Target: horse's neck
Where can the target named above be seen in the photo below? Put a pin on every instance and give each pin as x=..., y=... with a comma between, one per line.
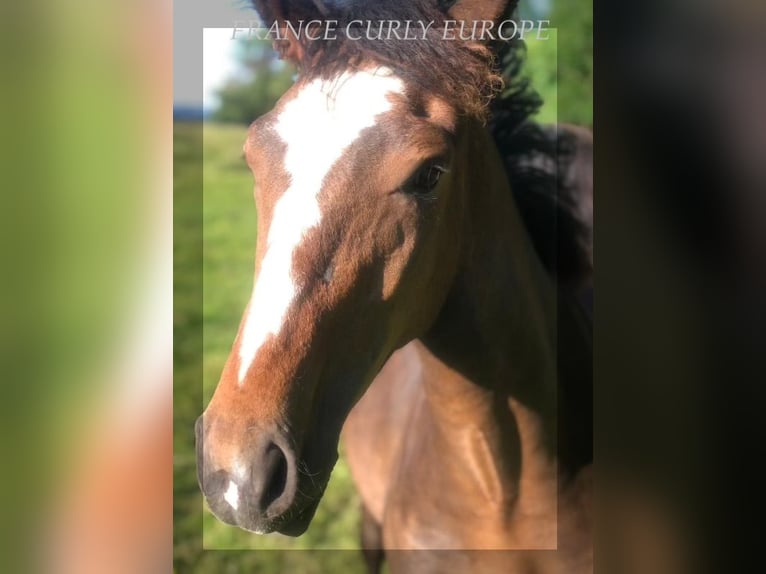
x=491, y=451
x=498, y=324
x=491, y=356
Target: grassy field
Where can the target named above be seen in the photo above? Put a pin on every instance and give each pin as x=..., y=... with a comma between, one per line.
x=222, y=239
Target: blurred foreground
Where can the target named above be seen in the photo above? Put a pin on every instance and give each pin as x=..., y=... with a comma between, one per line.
x=87, y=289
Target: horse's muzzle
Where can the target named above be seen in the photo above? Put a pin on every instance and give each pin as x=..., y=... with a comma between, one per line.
x=253, y=488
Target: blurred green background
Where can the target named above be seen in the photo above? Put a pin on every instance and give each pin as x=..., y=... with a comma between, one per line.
x=561, y=71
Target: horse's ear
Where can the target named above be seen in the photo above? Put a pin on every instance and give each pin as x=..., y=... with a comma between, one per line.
x=281, y=12
x=476, y=10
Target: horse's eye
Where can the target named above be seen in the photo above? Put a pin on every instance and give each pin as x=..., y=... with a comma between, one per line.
x=426, y=178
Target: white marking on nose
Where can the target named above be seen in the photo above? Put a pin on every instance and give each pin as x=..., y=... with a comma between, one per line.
x=317, y=126
x=232, y=495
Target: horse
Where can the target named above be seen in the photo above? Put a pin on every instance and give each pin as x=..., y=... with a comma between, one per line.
x=392, y=250
x=388, y=416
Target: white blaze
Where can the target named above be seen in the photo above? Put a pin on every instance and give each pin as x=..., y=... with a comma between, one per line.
x=317, y=126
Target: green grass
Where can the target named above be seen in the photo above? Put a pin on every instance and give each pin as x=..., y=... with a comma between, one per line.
x=226, y=250
x=542, y=69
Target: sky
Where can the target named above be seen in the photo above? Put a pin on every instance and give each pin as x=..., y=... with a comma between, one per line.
x=218, y=63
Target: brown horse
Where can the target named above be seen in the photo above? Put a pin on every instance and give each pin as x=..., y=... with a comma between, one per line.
x=387, y=222
x=420, y=423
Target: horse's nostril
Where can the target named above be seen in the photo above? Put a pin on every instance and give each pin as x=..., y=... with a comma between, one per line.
x=273, y=475
x=255, y=488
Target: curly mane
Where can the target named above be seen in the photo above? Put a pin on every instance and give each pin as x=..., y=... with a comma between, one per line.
x=482, y=81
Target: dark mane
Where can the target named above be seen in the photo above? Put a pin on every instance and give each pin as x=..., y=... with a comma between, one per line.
x=462, y=73
x=537, y=161
x=485, y=82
